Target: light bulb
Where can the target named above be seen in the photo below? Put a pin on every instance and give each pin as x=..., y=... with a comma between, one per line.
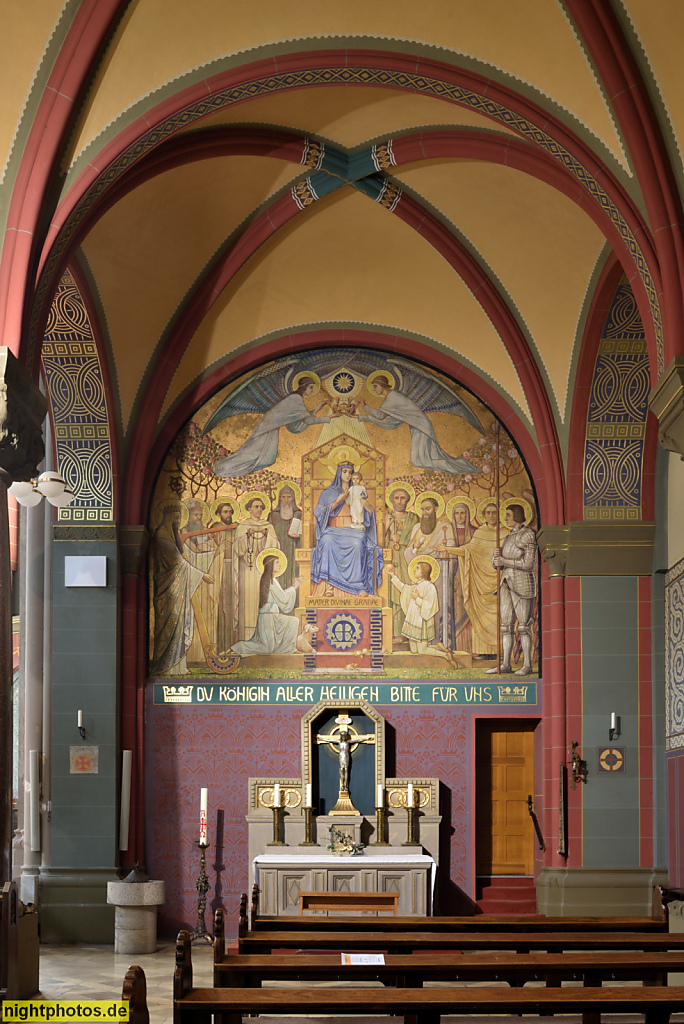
x=50, y=484
x=20, y=488
x=65, y=497
x=29, y=500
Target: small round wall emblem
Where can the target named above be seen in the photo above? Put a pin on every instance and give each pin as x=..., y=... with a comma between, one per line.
x=343, y=631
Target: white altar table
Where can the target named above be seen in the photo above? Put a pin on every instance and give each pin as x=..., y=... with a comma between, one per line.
x=281, y=876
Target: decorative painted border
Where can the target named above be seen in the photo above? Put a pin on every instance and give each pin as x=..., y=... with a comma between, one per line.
x=78, y=403
x=674, y=656
x=363, y=76
x=616, y=416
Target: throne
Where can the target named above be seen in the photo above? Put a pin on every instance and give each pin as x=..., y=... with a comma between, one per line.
x=353, y=633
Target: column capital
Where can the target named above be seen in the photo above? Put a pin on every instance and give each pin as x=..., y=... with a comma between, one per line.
x=22, y=410
x=667, y=403
x=598, y=549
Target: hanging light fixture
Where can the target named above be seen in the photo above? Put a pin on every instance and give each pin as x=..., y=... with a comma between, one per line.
x=50, y=485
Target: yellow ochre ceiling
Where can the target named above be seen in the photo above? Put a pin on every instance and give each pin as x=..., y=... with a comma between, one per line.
x=532, y=44
x=345, y=260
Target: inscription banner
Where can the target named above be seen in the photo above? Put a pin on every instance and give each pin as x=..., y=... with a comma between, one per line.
x=499, y=693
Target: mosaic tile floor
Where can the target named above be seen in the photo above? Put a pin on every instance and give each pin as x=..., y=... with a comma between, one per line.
x=96, y=972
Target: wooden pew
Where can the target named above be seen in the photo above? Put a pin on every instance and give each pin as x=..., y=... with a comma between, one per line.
x=591, y=969
x=9, y=941
x=657, y=922
x=417, y=1005
x=134, y=992
x=519, y=942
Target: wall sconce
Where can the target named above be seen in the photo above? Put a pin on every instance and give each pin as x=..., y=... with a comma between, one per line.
x=578, y=766
x=81, y=727
x=48, y=485
x=614, y=730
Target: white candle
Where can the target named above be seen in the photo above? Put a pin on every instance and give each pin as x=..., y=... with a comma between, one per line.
x=410, y=794
x=307, y=798
x=613, y=720
x=380, y=802
x=276, y=795
x=80, y=719
x=203, y=817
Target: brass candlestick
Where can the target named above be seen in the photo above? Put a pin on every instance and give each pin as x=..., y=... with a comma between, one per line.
x=380, y=815
x=411, y=822
x=276, y=841
x=202, y=886
x=308, y=828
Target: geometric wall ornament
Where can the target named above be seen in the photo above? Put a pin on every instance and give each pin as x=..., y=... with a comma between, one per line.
x=78, y=402
x=616, y=420
x=674, y=656
x=611, y=759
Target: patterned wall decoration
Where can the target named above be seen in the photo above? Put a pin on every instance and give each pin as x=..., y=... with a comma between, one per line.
x=78, y=404
x=674, y=657
x=616, y=423
x=208, y=746
x=365, y=76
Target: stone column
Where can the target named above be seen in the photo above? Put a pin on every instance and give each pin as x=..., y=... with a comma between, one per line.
x=22, y=411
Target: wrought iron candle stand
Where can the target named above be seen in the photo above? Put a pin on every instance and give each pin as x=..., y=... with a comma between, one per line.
x=202, y=886
x=380, y=818
x=411, y=822
x=277, y=808
x=308, y=828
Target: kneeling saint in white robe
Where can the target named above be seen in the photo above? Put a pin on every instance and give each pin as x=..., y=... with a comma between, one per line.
x=277, y=629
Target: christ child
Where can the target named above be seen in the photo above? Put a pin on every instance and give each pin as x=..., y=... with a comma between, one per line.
x=356, y=496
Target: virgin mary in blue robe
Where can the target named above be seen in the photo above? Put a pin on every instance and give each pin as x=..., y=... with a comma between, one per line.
x=344, y=555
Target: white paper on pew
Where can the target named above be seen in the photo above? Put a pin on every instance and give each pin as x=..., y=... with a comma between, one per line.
x=372, y=959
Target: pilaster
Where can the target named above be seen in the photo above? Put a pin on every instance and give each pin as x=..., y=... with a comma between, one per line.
x=598, y=549
x=667, y=403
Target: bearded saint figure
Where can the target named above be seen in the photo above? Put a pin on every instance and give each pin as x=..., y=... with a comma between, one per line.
x=175, y=581
x=286, y=518
x=429, y=537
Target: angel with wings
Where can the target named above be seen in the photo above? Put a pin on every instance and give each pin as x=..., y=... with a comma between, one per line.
x=261, y=447
x=409, y=393
x=398, y=408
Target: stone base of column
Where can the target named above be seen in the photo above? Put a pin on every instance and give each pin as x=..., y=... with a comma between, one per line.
x=73, y=905
x=597, y=892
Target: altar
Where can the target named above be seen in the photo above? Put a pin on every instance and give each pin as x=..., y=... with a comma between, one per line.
x=281, y=877
x=344, y=791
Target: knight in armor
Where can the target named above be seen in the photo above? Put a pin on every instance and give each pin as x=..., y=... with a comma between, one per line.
x=518, y=559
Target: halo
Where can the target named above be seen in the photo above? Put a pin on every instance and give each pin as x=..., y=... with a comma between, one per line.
x=170, y=503
x=424, y=558
x=244, y=498
x=342, y=453
x=280, y=555
x=307, y=373
x=382, y=373
x=516, y=501
x=223, y=499
x=460, y=499
x=410, y=490
x=482, y=505
x=293, y=487
x=205, y=508
x=437, y=497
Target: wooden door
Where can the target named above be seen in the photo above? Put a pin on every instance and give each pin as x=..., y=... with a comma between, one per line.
x=504, y=779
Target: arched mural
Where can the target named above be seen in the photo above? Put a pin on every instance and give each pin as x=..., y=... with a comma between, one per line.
x=341, y=514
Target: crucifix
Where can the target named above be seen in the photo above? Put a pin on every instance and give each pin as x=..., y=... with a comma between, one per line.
x=344, y=741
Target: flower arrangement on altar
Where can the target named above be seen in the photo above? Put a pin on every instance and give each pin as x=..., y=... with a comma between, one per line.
x=342, y=843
